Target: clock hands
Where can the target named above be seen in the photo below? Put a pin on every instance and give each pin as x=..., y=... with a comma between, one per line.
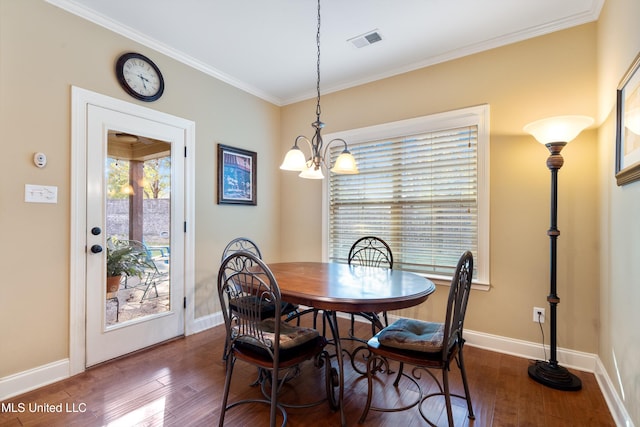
x=144, y=80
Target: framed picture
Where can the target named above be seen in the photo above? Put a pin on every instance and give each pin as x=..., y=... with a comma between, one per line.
x=236, y=176
x=628, y=126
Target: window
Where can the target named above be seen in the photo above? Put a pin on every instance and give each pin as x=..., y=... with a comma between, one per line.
x=423, y=187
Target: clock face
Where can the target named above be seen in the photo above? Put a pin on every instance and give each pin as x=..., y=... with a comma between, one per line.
x=139, y=77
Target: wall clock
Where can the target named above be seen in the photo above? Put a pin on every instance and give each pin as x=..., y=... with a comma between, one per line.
x=139, y=76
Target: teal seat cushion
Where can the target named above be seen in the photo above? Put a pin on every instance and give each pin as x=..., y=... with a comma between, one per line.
x=414, y=335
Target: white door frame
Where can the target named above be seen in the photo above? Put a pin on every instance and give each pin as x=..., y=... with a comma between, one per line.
x=81, y=99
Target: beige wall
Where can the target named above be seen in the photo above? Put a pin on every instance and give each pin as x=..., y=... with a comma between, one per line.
x=43, y=52
x=522, y=82
x=619, y=350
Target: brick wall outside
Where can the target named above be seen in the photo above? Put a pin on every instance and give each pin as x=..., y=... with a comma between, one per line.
x=156, y=220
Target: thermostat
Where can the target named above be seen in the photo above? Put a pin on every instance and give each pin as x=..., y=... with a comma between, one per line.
x=40, y=160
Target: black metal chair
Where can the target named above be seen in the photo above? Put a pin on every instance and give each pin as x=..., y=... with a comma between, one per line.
x=247, y=245
x=426, y=346
x=371, y=251
x=241, y=244
x=276, y=348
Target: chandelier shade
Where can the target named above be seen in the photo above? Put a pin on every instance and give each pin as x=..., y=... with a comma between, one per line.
x=294, y=160
x=312, y=173
x=345, y=164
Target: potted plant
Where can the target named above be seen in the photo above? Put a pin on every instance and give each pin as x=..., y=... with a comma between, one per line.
x=124, y=259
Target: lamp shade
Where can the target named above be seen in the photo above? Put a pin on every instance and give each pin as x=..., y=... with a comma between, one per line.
x=558, y=129
x=294, y=160
x=312, y=173
x=345, y=164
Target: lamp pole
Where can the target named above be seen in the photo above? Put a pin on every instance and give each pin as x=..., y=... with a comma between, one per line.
x=549, y=372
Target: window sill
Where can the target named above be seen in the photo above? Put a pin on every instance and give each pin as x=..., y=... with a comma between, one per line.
x=447, y=282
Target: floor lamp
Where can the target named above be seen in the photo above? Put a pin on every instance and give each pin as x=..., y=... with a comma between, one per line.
x=555, y=133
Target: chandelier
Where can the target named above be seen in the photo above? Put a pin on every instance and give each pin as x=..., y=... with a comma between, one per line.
x=312, y=166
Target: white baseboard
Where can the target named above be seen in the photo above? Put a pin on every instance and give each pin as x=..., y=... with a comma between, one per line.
x=32, y=379
x=206, y=322
x=528, y=350
x=616, y=406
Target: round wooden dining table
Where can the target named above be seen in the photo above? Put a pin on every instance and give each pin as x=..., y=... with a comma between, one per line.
x=334, y=287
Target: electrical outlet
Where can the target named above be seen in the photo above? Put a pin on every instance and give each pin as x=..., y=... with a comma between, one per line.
x=538, y=314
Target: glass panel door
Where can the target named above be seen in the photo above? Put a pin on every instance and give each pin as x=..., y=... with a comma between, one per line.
x=138, y=226
x=134, y=228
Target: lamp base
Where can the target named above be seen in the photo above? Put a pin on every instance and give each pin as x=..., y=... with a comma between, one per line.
x=554, y=376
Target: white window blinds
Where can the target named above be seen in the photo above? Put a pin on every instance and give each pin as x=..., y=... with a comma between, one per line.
x=419, y=193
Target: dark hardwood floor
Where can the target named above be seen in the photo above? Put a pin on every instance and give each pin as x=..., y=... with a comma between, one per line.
x=180, y=383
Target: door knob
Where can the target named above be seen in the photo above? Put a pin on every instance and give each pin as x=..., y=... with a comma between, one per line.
x=96, y=231
x=96, y=249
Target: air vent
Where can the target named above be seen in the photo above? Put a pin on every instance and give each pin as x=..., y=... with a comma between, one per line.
x=366, y=39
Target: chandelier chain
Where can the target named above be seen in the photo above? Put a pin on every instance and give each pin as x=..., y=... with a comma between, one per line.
x=318, y=66
x=311, y=167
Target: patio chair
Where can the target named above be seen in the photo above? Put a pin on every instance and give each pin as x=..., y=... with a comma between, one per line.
x=152, y=274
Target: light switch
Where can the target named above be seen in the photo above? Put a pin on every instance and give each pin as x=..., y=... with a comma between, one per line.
x=40, y=193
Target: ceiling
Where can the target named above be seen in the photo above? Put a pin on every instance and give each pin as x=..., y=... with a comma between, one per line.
x=268, y=47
